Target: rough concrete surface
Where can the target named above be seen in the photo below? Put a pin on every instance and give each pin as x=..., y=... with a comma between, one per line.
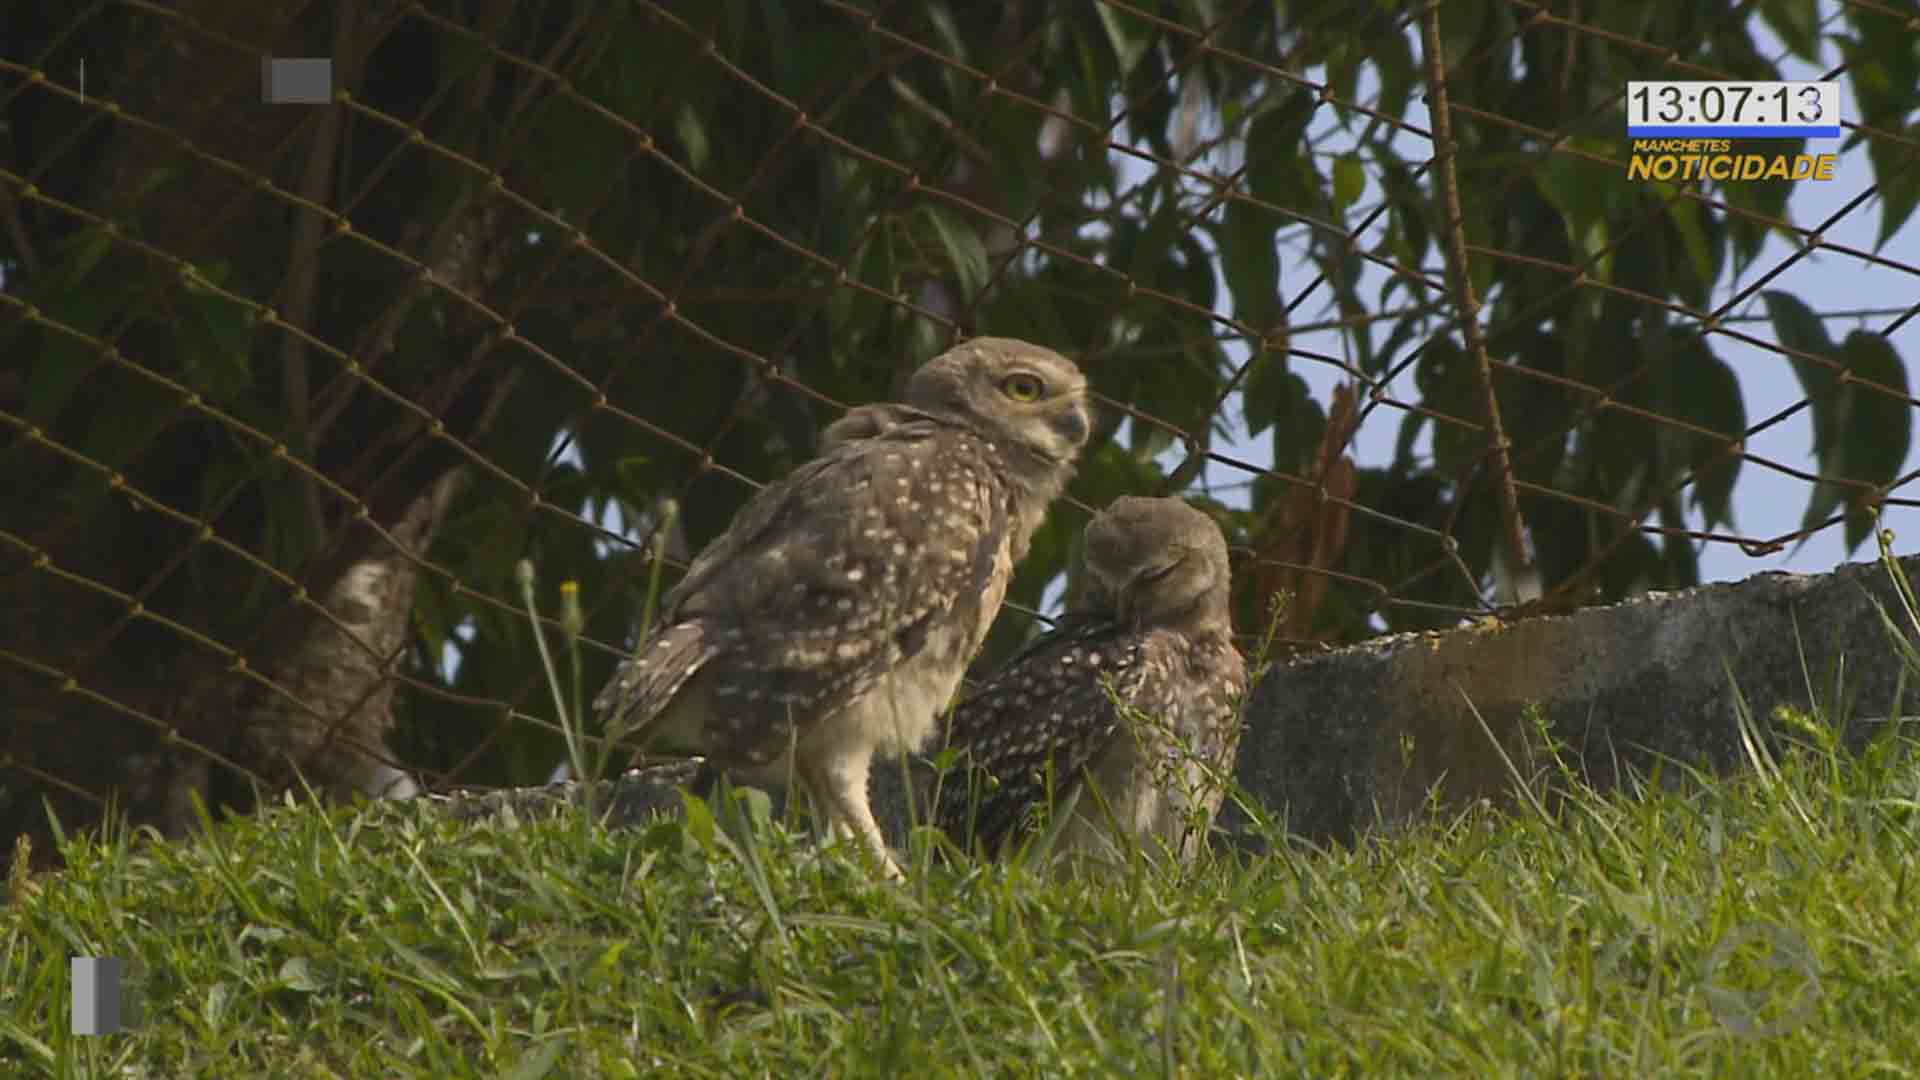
x=1357, y=737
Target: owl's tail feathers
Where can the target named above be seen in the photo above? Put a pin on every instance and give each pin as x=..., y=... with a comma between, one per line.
x=643, y=686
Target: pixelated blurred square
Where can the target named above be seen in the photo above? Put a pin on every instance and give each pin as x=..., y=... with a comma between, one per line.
x=297, y=81
x=96, y=995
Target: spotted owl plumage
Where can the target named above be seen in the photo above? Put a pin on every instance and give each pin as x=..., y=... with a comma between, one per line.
x=834, y=617
x=1159, y=642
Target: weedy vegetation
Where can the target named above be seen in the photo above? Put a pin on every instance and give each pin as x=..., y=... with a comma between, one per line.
x=1759, y=924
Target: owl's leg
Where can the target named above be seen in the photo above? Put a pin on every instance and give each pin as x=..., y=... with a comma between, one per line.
x=869, y=831
x=838, y=790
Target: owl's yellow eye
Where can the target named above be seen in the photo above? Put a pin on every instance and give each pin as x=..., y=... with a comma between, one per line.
x=1022, y=387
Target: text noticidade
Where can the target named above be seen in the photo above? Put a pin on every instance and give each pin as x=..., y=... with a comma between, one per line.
x=1712, y=159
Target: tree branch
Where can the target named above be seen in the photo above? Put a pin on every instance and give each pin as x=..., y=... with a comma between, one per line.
x=1461, y=281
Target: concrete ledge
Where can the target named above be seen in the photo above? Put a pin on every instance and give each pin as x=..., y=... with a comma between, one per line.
x=1356, y=738
x=630, y=799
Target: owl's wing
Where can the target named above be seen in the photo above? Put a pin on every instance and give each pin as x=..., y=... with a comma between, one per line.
x=680, y=646
x=831, y=578
x=770, y=514
x=893, y=518
x=1033, y=729
x=1071, y=626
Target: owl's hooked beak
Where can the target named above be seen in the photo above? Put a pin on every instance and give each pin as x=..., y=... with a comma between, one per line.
x=1074, y=426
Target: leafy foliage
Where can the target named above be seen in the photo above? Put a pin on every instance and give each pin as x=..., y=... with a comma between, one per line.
x=707, y=225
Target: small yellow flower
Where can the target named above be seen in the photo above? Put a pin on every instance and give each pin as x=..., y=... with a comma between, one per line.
x=571, y=620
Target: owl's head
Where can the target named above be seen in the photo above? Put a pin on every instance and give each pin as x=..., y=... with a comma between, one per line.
x=1158, y=562
x=1011, y=391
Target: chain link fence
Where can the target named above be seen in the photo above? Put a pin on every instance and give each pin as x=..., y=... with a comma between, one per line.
x=291, y=388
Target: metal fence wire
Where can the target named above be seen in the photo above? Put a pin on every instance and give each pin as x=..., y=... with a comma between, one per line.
x=291, y=388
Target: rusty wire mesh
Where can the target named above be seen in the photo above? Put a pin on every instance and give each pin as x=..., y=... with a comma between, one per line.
x=493, y=266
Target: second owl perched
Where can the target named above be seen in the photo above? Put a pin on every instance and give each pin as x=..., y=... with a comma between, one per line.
x=837, y=613
x=1143, y=700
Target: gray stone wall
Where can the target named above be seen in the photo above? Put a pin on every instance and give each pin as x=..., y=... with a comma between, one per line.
x=1357, y=737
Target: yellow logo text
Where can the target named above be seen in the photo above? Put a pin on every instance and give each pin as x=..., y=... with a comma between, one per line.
x=1713, y=159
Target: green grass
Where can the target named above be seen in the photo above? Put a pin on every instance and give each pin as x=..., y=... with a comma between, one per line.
x=391, y=941
x=1761, y=924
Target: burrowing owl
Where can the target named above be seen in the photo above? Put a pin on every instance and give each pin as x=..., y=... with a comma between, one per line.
x=835, y=615
x=1140, y=695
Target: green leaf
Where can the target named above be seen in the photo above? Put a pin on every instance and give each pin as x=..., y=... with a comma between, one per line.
x=1820, y=506
x=1685, y=216
x=1409, y=215
x=216, y=350
x=1251, y=265
x=64, y=359
x=953, y=42
x=874, y=264
x=1798, y=328
x=1796, y=325
x=1277, y=170
x=1797, y=23
x=1191, y=277
x=1264, y=391
x=1875, y=426
x=1577, y=186
x=540, y=1059
x=1447, y=386
x=1478, y=228
x=1113, y=472
x=633, y=78
x=1899, y=182
x=1403, y=443
x=431, y=618
x=1677, y=552
x=1882, y=61
x=633, y=479
x=964, y=250
x=777, y=24
x=693, y=137
x=1766, y=199
x=1177, y=369
x=1282, y=400
x=83, y=252
x=1343, y=73
x=1394, y=65
x=491, y=536
x=1349, y=180
x=297, y=974
x=1704, y=391
x=701, y=827
x=1537, y=413
x=1883, y=69
x=1127, y=37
